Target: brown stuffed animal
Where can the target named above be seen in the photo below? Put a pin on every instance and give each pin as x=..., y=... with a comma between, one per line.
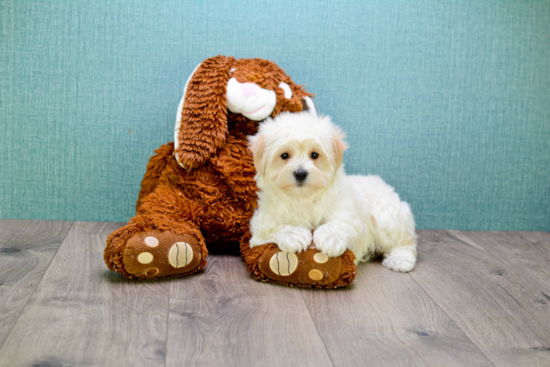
x=199, y=193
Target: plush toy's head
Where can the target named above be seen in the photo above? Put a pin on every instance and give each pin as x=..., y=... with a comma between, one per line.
x=223, y=89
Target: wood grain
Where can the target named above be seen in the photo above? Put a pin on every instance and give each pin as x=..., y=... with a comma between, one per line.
x=475, y=298
x=26, y=249
x=81, y=314
x=540, y=241
x=386, y=319
x=517, y=251
x=225, y=318
x=496, y=307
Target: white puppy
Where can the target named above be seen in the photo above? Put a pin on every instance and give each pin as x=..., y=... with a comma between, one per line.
x=298, y=158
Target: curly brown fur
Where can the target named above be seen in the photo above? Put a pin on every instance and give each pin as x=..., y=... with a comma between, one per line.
x=213, y=197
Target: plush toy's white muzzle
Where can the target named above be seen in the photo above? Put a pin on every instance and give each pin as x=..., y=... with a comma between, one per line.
x=250, y=100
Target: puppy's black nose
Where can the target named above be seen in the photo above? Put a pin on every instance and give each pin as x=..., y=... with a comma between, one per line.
x=300, y=175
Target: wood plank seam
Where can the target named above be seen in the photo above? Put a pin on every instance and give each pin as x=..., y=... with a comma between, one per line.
x=314, y=324
x=528, y=236
x=529, y=338
x=512, y=262
x=450, y=318
x=83, y=314
x=167, y=325
x=499, y=258
x=36, y=286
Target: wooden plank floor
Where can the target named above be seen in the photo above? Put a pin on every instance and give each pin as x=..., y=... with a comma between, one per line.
x=475, y=299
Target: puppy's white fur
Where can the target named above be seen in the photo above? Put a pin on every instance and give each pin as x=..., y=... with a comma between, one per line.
x=360, y=213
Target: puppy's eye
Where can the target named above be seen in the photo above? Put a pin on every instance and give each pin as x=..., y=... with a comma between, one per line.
x=285, y=156
x=314, y=155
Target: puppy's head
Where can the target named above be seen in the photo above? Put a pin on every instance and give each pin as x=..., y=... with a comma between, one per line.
x=297, y=153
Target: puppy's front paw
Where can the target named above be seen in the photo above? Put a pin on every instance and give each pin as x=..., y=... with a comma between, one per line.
x=329, y=241
x=400, y=259
x=293, y=239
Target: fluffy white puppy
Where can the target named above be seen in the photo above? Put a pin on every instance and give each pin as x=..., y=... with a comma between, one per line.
x=298, y=158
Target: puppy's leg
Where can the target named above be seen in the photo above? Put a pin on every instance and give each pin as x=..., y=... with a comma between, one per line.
x=400, y=259
x=288, y=238
x=293, y=239
x=399, y=244
x=334, y=237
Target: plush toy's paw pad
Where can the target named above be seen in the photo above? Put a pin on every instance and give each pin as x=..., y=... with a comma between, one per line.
x=400, y=259
x=156, y=254
x=283, y=263
x=309, y=267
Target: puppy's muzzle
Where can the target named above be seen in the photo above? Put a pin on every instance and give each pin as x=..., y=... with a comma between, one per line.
x=300, y=175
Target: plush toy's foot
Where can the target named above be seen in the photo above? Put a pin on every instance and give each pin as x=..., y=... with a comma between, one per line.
x=152, y=253
x=156, y=254
x=310, y=268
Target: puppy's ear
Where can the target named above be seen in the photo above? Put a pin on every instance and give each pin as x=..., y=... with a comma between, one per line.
x=203, y=124
x=338, y=146
x=256, y=144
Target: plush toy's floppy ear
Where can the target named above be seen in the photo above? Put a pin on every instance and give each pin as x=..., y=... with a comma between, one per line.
x=180, y=109
x=203, y=122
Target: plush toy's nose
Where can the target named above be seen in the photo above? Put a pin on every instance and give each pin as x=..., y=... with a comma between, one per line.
x=249, y=89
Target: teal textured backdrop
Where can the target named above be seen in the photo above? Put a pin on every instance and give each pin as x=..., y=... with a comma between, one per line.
x=448, y=101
